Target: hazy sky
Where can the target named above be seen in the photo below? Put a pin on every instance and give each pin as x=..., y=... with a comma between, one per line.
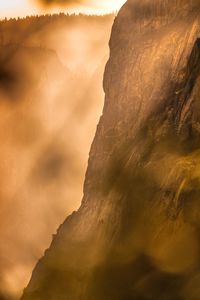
x=15, y=8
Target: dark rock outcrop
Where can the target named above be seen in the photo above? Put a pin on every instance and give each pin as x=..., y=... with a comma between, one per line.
x=137, y=233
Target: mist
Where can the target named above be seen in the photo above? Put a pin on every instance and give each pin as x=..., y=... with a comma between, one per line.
x=51, y=97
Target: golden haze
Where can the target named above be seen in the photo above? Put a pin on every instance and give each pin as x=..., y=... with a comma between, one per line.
x=21, y=8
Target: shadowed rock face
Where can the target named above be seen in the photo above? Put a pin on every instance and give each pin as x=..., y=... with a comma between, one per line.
x=137, y=233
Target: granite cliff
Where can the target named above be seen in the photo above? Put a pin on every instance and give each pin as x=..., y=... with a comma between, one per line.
x=137, y=233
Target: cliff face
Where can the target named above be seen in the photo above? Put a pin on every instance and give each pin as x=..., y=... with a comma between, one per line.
x=137, y=233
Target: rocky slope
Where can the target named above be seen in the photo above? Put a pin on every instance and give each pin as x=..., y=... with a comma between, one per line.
x=137, y=233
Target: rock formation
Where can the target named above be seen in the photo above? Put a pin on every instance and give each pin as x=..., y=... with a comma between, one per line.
x=136, y=235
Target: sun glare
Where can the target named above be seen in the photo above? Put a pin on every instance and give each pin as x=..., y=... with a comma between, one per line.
x=17, y=8
x=111, y=5
x=21, y=8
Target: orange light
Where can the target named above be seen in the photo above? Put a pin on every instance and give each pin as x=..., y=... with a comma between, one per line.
x=21, y=8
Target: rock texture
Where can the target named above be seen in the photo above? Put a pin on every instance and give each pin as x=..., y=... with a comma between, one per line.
x=137, y=233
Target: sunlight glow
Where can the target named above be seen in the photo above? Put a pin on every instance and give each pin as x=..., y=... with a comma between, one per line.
x=17, y=8
x=21, y=8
